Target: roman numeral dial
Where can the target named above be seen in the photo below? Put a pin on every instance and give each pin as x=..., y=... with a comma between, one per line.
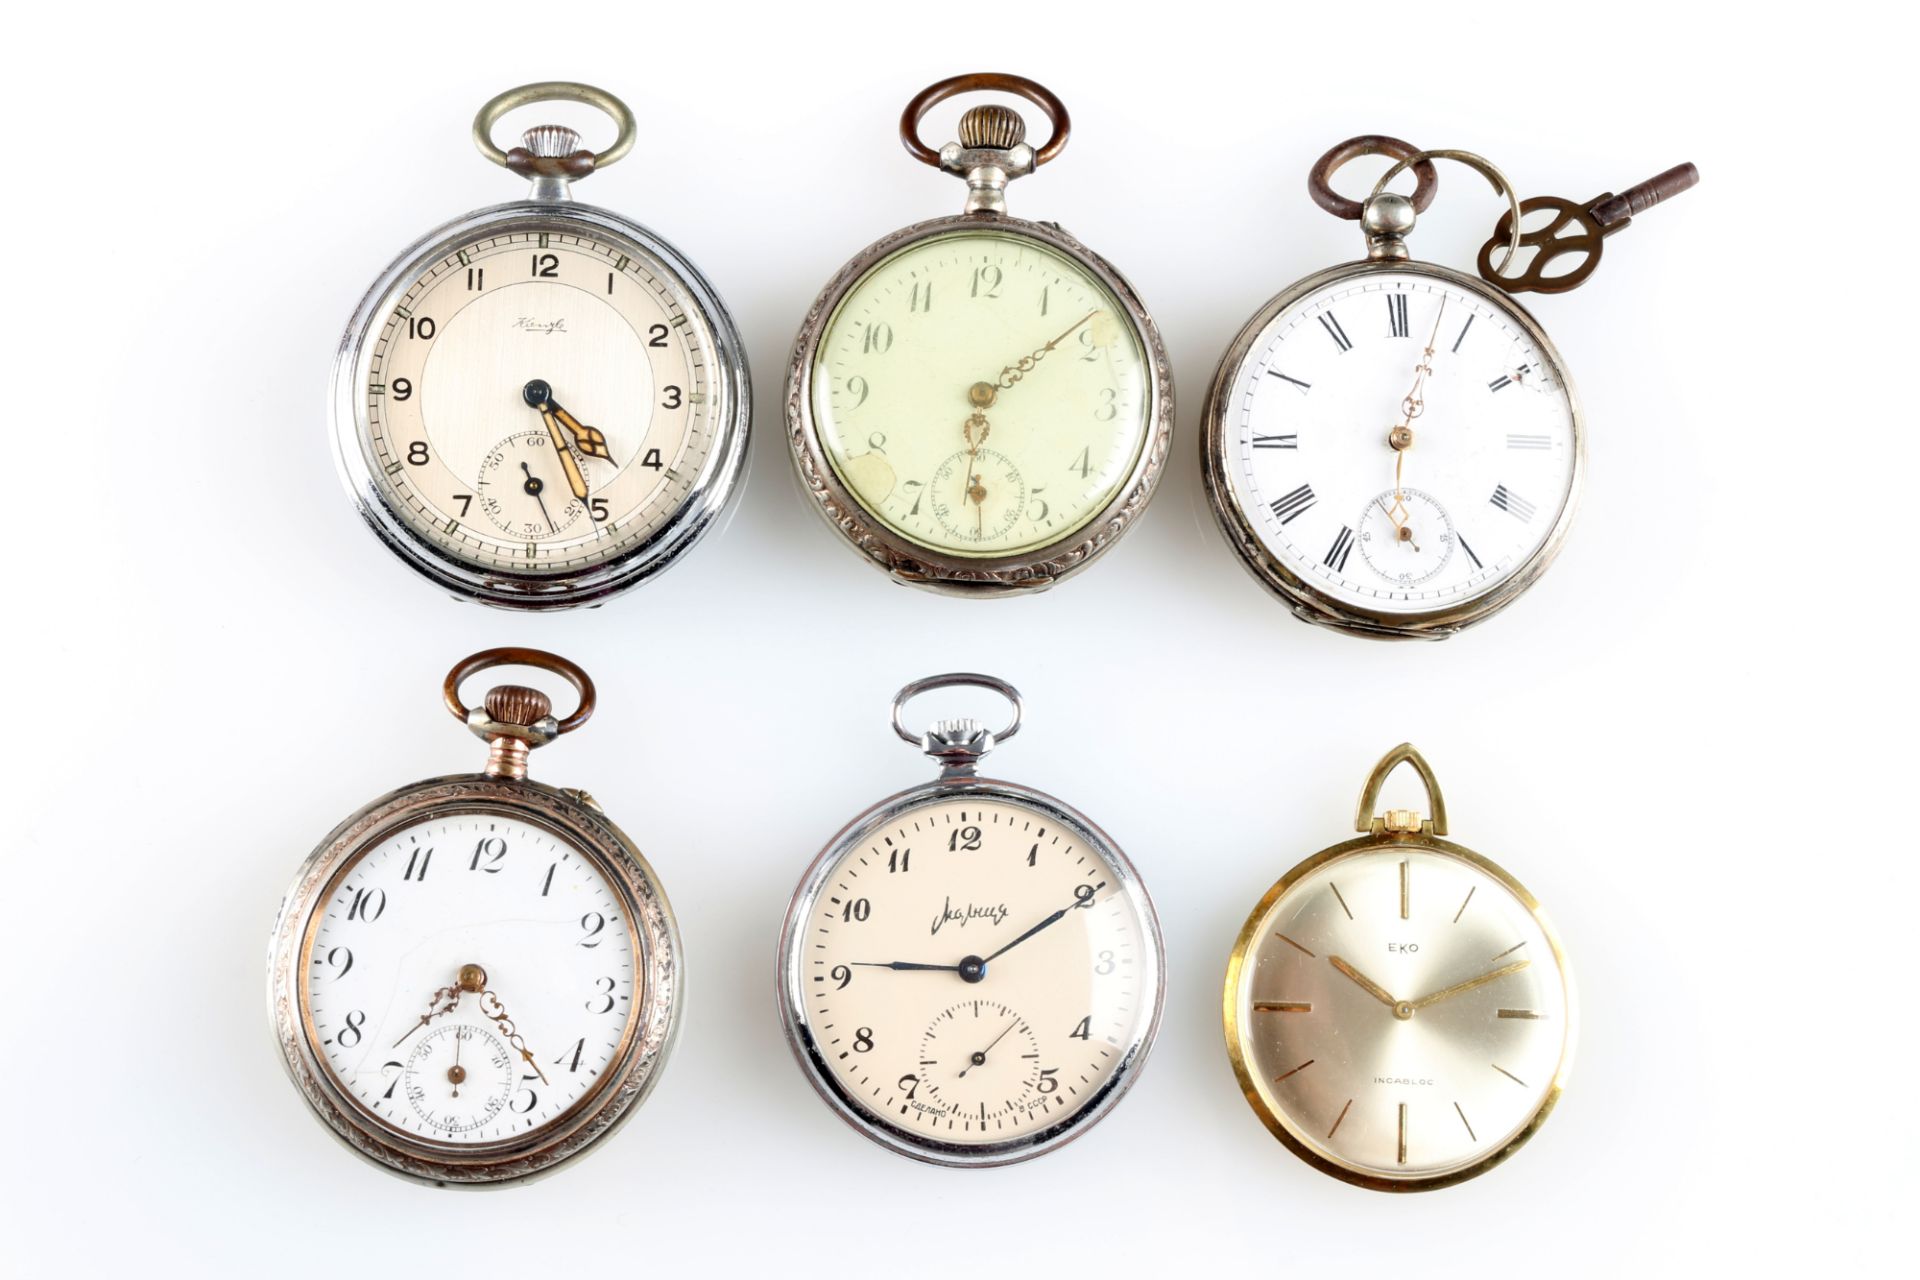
x=1399, y=442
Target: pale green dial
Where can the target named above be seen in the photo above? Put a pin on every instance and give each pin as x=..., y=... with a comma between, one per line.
x=981, y=393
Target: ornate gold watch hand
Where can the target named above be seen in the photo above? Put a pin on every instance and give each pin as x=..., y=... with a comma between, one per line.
x=491, y=1006
x=470, y=978
x=591, y=442
x=1481, y=981
x=1020, y=368
x=1400, y=436
x=1365, y=983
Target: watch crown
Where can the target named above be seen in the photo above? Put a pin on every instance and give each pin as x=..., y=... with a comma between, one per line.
x=517, y=705
x=550, y=141
x=995, y=127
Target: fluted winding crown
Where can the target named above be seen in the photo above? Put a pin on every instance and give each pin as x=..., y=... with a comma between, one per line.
x=997, y=127
x=517, y=704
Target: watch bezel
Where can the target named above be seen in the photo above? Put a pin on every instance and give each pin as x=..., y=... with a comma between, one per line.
x=789, y=978
x=1307, y=601
x=909, y=561
x=646, y=1040
x=707, y=499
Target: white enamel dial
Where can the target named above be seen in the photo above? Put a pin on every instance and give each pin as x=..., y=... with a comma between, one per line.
x=1403, y=1012
x=403, y=919
x=971, y=973
x=1489, y=432
x=575, y=355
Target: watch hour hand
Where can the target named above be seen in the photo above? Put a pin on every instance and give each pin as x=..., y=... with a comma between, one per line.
x=904, y=965
x=1365, y=983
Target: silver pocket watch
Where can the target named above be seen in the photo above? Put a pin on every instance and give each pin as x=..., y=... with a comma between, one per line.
x=1394, y=447
x=475, y=978
x=970, y=972
x=980, y=404
x=541, y=404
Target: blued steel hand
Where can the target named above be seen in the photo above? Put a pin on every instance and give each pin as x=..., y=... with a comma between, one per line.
x=1079, y=900
x=980, y=1059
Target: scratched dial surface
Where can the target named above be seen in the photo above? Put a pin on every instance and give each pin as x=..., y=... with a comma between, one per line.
x=1403, y=1013
x=883, y=968
x=1476, y=493
x=401, y=919
x=464, y=455
x=981, y=393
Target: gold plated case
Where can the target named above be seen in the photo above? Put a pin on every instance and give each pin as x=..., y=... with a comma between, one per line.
x=1383, y=1053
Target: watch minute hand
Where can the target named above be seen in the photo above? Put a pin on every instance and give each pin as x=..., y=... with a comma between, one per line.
x=1470, y=984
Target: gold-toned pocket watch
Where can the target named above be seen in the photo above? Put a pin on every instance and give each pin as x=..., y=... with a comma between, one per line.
x=476, y=977
x=1398, y=1010
x=541, y=404
x=1393, y=447
x=980, y=404
x=970, y=972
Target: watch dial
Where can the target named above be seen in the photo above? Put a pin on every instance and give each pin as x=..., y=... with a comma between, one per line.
x=1336, y=380
x=971, y=972
x=981, y=393
x=1403, y=1013
x=402, y=920
x=538, y=401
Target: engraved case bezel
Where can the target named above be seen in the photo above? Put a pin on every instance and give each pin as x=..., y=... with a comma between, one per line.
x=911, y=562
x=1307, y=601
x=718, y=484
x=647, y=1039
x=790, y=977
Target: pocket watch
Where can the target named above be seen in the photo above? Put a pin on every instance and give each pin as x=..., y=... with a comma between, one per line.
x=541, y=404
x=1393, y=447
x=980, y=404
x=970, y=973
x=476, y=977
x=1398, y=1010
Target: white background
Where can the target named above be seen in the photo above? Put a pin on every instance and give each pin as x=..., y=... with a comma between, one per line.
x=1692, y=740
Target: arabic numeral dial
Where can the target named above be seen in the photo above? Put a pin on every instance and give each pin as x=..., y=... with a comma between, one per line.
x=969, y=970
x=536, y=400
x=405, y=1030
x=982, y=393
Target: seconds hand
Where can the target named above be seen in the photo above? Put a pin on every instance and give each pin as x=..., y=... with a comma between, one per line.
x=980, y=1059
x=533, y=486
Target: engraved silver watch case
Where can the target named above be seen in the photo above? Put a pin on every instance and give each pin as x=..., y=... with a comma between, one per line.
x=550, y=157
x=957, y=746
x=513, y=721
x=1386, y=219
x=992, y=152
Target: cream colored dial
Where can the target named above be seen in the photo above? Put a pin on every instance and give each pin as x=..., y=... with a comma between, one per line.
x=981, y=393
x=972, y=973
x=538, y=401
x=1402, y=1013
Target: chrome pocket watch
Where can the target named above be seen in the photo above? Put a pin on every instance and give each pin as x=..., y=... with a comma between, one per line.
x=980, y=404
x=1398, y=1010
x=541, y=404
x=476, y=977
x=970, y=973
x=1393, y=447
